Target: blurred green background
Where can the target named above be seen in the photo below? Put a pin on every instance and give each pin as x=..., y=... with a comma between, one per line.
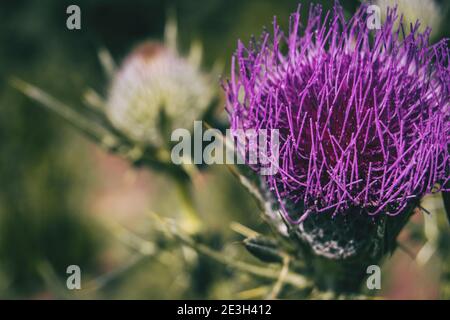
x=57, y=189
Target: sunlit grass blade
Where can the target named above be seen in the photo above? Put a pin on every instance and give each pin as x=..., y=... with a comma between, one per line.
x=107, y=62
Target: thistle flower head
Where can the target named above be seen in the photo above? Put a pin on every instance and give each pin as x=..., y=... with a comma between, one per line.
x=155, y=81
x=363, y=115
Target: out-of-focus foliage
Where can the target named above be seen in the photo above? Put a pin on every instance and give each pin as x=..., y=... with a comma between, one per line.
x=41, y=219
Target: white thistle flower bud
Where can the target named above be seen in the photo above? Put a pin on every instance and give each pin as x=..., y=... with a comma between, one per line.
x=153, y=80
x=428, y=12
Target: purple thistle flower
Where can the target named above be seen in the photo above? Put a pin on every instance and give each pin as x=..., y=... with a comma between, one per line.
x=363, y=115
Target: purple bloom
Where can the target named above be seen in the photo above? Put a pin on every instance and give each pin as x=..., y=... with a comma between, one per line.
x=363, y=115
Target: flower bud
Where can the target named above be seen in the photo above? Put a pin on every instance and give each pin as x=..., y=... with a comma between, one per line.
x=427, y=12
x=157, y=90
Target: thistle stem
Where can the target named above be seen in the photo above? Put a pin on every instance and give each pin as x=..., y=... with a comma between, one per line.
x=191, y=222
x=293, y=279
x=280, y=281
